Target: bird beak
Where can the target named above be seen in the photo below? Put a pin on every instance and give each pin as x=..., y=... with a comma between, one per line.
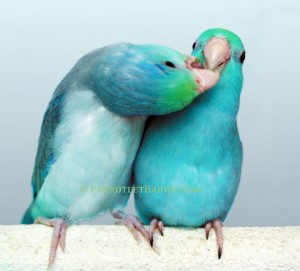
x=204, y=79
x=216, y=53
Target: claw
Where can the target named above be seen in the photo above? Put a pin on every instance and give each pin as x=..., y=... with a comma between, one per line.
x=219, y=253
x=151, y=240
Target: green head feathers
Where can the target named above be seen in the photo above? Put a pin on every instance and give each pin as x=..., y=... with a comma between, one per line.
x=141, y=79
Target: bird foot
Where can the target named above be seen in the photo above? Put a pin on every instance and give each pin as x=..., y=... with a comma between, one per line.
x=133, y=224
x=217, y=226
x=155, y=224
x=58, y=237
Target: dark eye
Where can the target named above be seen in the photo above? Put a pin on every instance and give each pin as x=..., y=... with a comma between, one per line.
x=242, y=57
x=170, y=64
x=194, y=45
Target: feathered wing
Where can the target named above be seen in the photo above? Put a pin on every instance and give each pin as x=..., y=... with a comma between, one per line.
x=45, y=156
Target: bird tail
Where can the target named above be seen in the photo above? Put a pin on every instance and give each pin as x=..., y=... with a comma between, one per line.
x=27, y=217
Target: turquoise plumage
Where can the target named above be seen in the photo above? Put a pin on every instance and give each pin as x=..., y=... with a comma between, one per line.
x=92, y=129
x=195, y=155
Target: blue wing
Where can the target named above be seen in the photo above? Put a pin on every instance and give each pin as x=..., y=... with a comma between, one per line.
x=45, y=156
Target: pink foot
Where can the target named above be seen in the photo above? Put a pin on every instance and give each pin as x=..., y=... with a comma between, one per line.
x=133, y=224
x=58, y=237
x=217, y=226
x=155, y=224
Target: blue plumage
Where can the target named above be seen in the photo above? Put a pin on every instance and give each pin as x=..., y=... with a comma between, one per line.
x=198, y=149
x=92, y=129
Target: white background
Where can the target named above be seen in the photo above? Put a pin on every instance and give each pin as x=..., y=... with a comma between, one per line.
x=41, y=40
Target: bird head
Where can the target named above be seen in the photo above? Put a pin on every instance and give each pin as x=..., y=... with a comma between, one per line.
x=149, y=79
x=223, y=52
x=220, y=50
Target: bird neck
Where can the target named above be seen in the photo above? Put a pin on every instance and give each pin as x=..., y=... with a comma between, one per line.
x=225, y=95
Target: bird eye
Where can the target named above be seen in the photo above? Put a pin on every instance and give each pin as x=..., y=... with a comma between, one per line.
x=170, y=64
x=196, y=44
x=242, y=57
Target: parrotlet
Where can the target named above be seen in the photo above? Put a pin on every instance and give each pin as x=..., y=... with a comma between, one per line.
x=93, y=126
x=188, y=167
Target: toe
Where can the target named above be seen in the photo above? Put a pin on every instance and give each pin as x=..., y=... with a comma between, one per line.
x=133, y=231
x=62, y=239
x=155, y=224
x=140, y=228
x=208, y=227
x=160, y=226
x=135, y=226
x=218, y=227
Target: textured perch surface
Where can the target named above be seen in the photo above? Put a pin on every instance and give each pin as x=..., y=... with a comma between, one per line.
x=26, y=247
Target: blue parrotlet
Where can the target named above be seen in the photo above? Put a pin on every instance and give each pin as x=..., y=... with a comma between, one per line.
x=93, y=126
x=188, y=167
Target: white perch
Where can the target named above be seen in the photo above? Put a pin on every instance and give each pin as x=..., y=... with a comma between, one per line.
x=92, y=248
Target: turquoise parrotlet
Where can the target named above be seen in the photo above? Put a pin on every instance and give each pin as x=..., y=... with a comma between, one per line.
x=188, y=167
x=93, y=126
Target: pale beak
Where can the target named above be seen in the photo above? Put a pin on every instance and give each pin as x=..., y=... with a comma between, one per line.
x=204, y=78
x=216, y=53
